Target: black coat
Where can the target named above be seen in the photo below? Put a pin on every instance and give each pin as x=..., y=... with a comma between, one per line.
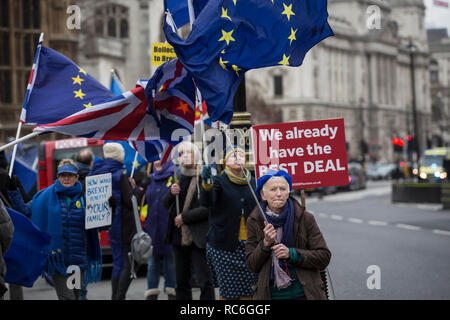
x=196, y=217
x=6, y=235
x=227, y=201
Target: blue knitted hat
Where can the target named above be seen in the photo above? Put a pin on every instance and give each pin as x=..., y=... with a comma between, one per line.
x=273, y=173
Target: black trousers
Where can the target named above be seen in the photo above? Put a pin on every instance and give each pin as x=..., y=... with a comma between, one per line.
x=120, y=286
x=185, y=257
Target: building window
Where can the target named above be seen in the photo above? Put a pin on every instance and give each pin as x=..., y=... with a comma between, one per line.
x=278, y=85
x=434, y=76
x=4, y=11
x=112, y=27
x=124, y=28
x=31, y=14
x=5, y=88
x=4, y=49
x=115, y=19
x=99, y=28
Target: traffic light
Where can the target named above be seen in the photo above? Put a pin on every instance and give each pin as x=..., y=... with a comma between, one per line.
x=398, y=144
x=411, y=147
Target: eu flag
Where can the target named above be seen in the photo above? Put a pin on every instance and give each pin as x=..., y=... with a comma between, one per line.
x=26, y=258
x=59, y=88
x=180, y=11
x=230, y=37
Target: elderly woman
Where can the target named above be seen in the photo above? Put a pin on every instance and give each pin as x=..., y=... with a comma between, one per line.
x=230, y=201
x=289, y=251
x=59, y=210
x=187, y=228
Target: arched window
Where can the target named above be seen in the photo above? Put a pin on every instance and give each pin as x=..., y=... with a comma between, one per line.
x=99, y=27
x=123, y=28
x=112, y=27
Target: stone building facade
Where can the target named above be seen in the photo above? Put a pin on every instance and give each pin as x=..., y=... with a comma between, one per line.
x=362, y=75
x=21, y=22
x=439, y=44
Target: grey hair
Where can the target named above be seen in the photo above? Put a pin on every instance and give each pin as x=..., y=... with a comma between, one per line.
x=274, y=178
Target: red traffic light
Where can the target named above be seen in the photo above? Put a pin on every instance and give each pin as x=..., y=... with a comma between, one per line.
x=401, y=142
x=395, y=141
x=408, y=137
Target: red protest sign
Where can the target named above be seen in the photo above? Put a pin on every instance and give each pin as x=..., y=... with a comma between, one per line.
x=312, y=152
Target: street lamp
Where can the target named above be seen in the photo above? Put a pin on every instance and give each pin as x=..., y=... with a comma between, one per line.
x=412, y=49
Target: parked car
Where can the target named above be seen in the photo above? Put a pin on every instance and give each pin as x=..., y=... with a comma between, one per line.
x=386, y=171
x=380, y=171
x=372, y=170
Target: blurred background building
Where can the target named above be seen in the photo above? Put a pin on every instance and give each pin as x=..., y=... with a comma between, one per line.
x=362, y=74
x=439, y=44
x=21, y=22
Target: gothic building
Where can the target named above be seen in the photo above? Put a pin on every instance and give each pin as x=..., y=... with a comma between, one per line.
x=21, y=22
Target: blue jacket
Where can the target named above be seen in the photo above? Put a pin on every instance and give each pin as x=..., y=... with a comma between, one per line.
x=73, y=227
x=74, y=233
x=157, y=215
x=115, y=232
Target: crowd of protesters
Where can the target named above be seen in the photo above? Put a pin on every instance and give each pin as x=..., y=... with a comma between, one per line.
x=251, y=240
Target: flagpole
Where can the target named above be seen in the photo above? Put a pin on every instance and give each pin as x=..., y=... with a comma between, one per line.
x=19, y=126
x=15, y=142
x=13, y=157
x=133, y=164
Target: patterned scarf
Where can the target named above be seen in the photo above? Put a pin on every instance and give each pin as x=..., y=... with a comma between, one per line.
x=236, y=179
x=284, y=225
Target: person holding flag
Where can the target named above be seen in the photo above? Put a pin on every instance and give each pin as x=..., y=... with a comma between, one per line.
x=230, y=202
x=59, y=210
x=285, y=246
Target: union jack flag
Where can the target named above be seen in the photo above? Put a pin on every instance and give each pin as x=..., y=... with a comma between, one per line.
x=172, y=92
x=123, y=117
x=153, y=150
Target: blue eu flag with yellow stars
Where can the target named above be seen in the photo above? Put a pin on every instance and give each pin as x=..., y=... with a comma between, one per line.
x=59, y=88
x=229, y=37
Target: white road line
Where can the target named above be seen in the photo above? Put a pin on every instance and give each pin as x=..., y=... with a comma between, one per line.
x=377, y=223
x=336, y=217
x=407, y=226
x=443, y=232
x=323, y=215
x=355, y=220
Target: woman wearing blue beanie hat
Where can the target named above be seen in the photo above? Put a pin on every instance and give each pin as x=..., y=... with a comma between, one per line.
x=285, y=246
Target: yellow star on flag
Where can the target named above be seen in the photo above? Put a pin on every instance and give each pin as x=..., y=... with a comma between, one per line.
x=234, y=1
x=88, y=105
x=222, y=63
x=236, y=69
x=82, y=71
x=77, y=80
x=288, y=11
x=292, y=36
x=227, y=36
x=183, y=107
x=79, y=94
x=225, y=14
x=285, y=61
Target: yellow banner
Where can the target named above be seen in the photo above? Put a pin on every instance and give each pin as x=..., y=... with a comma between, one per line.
x=162, y=52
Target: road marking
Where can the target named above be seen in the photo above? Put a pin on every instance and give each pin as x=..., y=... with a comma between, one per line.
x=355, y=220
x=443, y=232
x=323, y=215
x=407, y=226
x=377, y=223
x=336, y=217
